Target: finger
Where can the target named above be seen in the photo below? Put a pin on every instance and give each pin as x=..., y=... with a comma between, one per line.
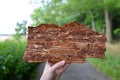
x=65, y=67
x=47, y=65
x=57, y=65
x=51, y=64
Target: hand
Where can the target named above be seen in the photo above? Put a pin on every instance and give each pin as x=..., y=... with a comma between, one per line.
x=53, y=72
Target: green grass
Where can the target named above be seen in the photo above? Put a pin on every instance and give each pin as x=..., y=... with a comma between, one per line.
x=109, y=66
x=12, y=66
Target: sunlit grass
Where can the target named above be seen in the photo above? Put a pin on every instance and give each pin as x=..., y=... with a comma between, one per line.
x=114, y=48
x=111, y=64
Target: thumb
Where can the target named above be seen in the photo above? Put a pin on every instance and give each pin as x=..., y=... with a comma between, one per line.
x=54, y=67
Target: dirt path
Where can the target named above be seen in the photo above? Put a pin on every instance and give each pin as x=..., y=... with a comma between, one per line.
x=77, y=71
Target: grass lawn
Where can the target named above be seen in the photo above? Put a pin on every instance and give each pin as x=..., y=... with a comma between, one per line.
x=111, y=64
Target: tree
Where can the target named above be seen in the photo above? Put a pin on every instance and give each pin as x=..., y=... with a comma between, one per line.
x=97, y=14
x=109, y=6
x=20, y=29
x=61, y=12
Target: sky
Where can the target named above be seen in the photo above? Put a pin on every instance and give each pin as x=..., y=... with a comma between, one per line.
x=13, y=11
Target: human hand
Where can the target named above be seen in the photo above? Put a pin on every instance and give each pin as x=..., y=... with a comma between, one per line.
x=53, y=72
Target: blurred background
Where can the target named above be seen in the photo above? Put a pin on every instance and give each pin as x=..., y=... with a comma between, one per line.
x=102, y=16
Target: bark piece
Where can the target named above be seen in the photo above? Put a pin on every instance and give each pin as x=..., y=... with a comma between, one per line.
x=73, y=42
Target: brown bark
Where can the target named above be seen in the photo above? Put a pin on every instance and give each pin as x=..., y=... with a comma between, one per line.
x=73, y=42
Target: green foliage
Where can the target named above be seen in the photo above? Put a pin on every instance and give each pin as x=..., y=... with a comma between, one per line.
x=117, y=31
x=12, y=66
x=21, y=27
x=52, y=12
x=20, y=30
x=84, y=11
x=17, y=36
x=110, y=65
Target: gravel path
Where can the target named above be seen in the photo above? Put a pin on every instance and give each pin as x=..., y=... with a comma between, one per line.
x=84, y=71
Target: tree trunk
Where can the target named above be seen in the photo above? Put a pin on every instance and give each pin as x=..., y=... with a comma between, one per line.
x=93, y=24
x=108, y=26
x=92, y=20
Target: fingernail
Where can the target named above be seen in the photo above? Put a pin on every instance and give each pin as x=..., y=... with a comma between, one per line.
x=63, y=62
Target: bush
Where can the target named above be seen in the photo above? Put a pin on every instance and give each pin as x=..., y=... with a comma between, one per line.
x=110, y=65
x=11, y=65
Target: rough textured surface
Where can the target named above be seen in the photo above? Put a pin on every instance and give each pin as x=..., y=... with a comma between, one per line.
x=72, y=42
